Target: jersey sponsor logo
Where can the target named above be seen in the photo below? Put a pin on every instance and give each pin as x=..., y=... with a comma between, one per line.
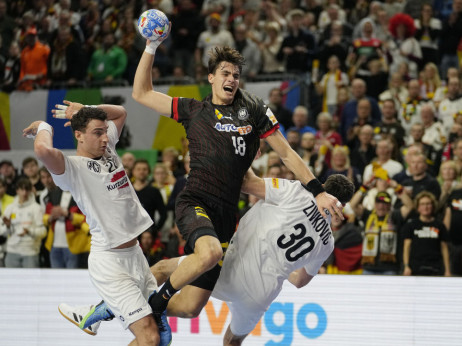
x=243, y=114
x=120, y=181
x=243, y=130
x=221, y=116
x=275, y=182
x=271, y=116
x=201, y=212
x=94, y=166
x=320, y=225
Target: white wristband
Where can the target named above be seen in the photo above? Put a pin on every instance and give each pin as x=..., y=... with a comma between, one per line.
x=91, y=106
x=45, y=127
x=152, y=47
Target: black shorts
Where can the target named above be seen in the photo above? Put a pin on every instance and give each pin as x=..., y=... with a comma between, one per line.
x=197, y=216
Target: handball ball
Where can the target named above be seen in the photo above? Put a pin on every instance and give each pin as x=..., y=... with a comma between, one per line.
x=153, y=24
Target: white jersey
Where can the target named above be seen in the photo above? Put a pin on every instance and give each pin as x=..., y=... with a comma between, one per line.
x=103, y=192
x=276, y=236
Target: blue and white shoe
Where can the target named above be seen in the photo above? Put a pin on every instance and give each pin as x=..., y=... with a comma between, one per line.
x=76, y=314
x=100, y=312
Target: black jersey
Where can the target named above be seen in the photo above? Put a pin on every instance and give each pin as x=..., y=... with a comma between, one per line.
x=223, y=141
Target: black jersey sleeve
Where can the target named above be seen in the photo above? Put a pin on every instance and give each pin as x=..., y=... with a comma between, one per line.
x=184, y=109
x=265, y=121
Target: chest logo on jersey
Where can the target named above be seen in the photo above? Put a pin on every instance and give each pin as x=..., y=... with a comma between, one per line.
x=94, y=166
x=221, y=116
x=243, y=114
x=119, y=180
x=243, y=130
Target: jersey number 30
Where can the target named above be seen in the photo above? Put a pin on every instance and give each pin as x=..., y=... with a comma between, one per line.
x=296, y=242
x=239, y=145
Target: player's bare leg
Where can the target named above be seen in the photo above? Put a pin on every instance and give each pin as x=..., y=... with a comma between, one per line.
x=145, y=331
x=229, y=339
x=164, y=268
x=189, y=302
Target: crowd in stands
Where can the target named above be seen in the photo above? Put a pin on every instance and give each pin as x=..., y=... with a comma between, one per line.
x=385, y=109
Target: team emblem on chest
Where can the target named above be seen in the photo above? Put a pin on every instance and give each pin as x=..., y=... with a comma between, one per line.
x=243, y=114
x=94, y=166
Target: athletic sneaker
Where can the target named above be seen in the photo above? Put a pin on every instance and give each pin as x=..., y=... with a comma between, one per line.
x=75, y=315
x=100, y=312
x=165, y=332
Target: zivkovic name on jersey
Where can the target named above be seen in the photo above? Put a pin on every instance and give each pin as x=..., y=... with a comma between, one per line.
x=243, y=130
x=320, y=225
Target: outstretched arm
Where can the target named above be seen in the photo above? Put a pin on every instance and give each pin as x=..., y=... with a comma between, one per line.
x=299, y=278
x=52, y=158
x=294, y=162
x=143, y=91
x=253, y=185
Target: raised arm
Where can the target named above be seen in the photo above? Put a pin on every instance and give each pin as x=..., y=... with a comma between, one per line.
x=143, y=91
x=253, y=185
x=52, y=158
x=294, y=162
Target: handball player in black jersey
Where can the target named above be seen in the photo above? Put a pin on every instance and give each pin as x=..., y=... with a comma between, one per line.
x=224, y=131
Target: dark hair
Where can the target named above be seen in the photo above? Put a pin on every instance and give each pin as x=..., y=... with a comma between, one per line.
x=340, y=186
x=224, y=54
x=45, y=170
x=2, y=181
x=80, y=120
x=24, y=183
x=28, y=160
x=142, y=160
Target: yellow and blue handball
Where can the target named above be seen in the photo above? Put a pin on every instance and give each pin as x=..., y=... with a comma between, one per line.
x=153, y=24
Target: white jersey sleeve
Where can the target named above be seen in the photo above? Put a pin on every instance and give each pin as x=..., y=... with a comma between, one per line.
x=103, y=192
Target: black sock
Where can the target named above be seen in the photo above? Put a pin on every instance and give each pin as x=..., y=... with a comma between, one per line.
x=159, y=301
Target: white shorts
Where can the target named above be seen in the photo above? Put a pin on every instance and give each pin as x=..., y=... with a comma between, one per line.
x=123, y=279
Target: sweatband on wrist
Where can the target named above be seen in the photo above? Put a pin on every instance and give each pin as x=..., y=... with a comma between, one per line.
x=45, y=127
x=315, y=187
x=363, y=189
x=152, y=47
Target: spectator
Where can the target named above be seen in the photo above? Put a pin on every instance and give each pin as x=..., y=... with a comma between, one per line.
x=326, y=135
x=428, y=34
x=435, y=134
x=452, y=33
x=364, y=151
x=153, y=249
x=12, y=68
x=30, y=169
x=34, y=62
x=407, y=153
x=396, y=91
x=214, y=36
x=65, y=21
x=283, y=115
x=451, y=104
x=340, y=164
x=433, y=156
x=381, y=243
x=426, y=239
x=449, y=180
x=269, y=49
x=383, y=150
x=300, y=120
x=180, y=182
x=293, y=138
x=410, y=109
x=171, y=158
x=331, y=13
x=65, y=59
x=7, y=27
x=389, y=124
x=107, y=63
x=349, y=113
x=316, y=162
x=149, y=196
x=186, y=27
x=128, y=161
x=248, y=50
x=363, y=117
x=24, y=228
x=452, y=221
x=430, y=81
x=336, y=42
x=5, y=200
x=8, y=173
x=441, y=92
x=298, y=46
x=330, y=83
x=421, y=180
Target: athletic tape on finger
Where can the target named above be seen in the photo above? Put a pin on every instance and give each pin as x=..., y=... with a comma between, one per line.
x=61, y=107
x=60, y=114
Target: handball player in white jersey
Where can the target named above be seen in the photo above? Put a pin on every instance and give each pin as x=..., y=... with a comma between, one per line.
x=282, y=237
x=102, y=190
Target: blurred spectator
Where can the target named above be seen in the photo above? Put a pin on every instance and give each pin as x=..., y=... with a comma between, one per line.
x=274, y=171
x=390, y=124
x=451, y=104
x=5, y=200
x=381, y=244
x=430, y=81
x=9, y=175
x=107, y=63
x=452, y=221
x=90, y=25
x=440, y=93
x=420, y=179
x=312, y=159
x=451, y=34
x=300, y=120
x=396, y=91
x=363, y=117
x=404, y=48
x=249, y=50
x=293, y=138
x=334, y=41
x=180, y=182
x=330, y=83
x=24, y=228
x=186, y=27
x=213, y=37
x=30, y=169
x=221, y=7
x=65, y=62
x=340, y=164
x=425, y=241
x=349, y=113
x=435, y=134
x=34, y=62
x=65, y=21
x=149, y=196
x=171, y=158
x=410, y=109
x=331, y=13
x=377, y=79
x=433, y=156
x=298, y=46
x=428, y=34
x=7, y=27
x=326, y=135
x=364, y=151
x=449, y=180
x=383, y=160
x=283, y=115
x=153, y=249
x=12, y=68
x=128, y=161
x=269, y=49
